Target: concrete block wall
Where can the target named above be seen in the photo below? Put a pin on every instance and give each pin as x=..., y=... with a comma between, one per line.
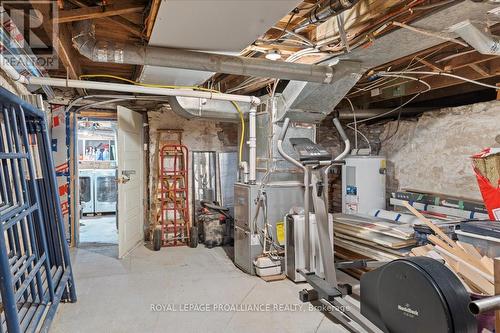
x=432, y=152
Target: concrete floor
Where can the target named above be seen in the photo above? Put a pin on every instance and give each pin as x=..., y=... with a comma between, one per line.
x=117, y=295
x=98, y=229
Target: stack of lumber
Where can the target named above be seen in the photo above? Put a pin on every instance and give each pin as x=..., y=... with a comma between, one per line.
x=372, y=237
x=474, y=270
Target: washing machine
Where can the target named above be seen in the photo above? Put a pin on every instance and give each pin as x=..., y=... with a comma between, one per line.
x=86, y=178
x=106, y=190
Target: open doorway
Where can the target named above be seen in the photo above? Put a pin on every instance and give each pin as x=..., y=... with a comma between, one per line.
x=98, y=191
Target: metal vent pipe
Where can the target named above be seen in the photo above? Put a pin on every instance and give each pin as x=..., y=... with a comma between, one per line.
x=475, y=36
x=105, y=51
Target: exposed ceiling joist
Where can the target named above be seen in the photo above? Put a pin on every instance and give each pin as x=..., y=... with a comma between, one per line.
x=96, y=12
x=481, y=69
x=150, y=21
x=67, y=53
x=403, y=87
x=432, y=65
x=120, y=21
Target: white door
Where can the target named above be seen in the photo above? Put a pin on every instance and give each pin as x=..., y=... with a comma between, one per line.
x=130, y=180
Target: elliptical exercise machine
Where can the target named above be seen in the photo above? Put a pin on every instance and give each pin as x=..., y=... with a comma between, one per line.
x=316, y=161
x=410, y=295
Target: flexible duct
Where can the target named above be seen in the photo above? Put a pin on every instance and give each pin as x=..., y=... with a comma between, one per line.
x=105, y=51
x=475, y=36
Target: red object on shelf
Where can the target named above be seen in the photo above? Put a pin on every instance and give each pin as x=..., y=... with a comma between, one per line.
x=173, y=176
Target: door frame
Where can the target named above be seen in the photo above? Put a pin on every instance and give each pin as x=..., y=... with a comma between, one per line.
x=75, y=177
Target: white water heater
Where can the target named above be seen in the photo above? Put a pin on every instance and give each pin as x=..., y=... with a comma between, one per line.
x=363, y=184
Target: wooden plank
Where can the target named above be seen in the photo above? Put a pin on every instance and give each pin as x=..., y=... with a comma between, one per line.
x=67, y=52
x=117, y=20
x=150, y=21
x=460, y=256
x=429, y=223
x=375, y=237
x=386, y=227
x=402, y=252
x=496, y=263
x=63, y=43
x=469, y=275
x=480, y=69
x=126, y=25
x=488, y=263
x=96, y=12
x=433, y=66
x=365, y=250
x=470, y=249
x=420, y=250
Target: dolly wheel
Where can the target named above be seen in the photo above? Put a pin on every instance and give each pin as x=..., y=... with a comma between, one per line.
x=157, y=239
x=193, y=237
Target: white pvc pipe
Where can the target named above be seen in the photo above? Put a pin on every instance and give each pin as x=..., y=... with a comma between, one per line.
x=252, y=144
x=119, y=87
x=11, y=71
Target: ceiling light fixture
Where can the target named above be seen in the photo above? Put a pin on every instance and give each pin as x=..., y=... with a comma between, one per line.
x=273, y=55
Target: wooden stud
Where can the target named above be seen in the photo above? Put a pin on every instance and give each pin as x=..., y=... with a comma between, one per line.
x=496, y=263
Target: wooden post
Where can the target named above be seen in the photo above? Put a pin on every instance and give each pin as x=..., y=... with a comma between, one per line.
x=497, y=291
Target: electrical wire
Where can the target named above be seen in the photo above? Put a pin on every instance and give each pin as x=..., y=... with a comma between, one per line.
x=429, y=33
x=438, y=73
x=355, y=123
x=355, y=128
x=284, y=30
x=236, y=106
x=428, y=88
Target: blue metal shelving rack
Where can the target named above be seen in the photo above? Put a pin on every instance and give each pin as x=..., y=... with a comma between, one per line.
x=35, y=267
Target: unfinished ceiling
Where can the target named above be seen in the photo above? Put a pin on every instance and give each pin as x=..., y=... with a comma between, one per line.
x=209, y=25
x=382, y=35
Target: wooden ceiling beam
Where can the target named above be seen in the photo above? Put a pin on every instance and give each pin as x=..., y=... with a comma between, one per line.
x=63, y=45
x=150, y=21
x=97, y=12
x=406, y=87
x=433, y=66
x=117, y=20
x=480, y=69
x=67, y=52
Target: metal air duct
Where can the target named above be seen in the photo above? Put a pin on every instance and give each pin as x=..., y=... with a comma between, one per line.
x=105, y=51
x=482, y=41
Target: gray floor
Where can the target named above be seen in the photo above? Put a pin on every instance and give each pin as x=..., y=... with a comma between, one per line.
x=98, y=229
x=117, y=295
